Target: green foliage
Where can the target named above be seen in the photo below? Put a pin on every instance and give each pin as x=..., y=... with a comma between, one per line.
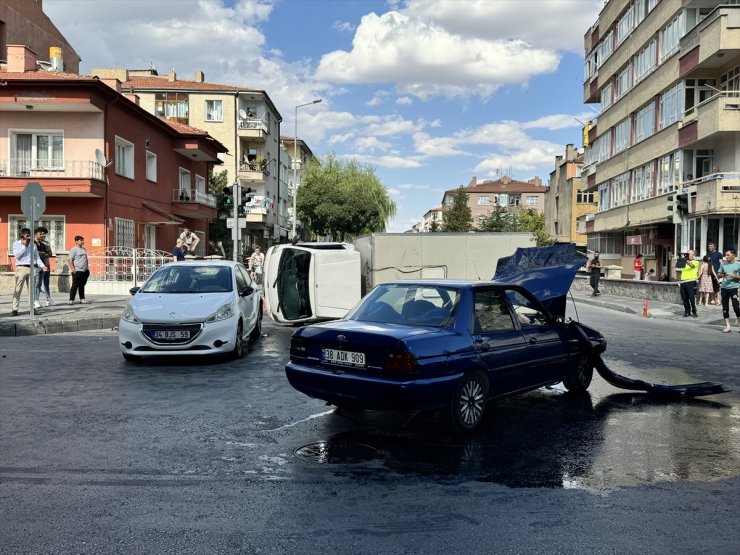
x=217, y=230
x=342, y=198
x=434, y=227
x=458, y=217
x=526, y=220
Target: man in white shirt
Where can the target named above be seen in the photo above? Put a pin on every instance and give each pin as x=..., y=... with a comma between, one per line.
x=190, y=240
x=22, y=251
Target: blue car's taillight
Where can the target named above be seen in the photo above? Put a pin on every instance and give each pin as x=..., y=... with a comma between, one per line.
x=298, y=349
x=400, y=361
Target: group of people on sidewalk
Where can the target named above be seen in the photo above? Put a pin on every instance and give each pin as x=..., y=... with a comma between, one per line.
x=37, y=254
x=715, y=279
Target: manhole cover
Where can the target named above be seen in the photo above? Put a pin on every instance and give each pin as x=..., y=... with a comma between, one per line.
x=337, y=452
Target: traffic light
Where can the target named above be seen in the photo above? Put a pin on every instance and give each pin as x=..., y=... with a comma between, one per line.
x=671, y=207
x=678, y=204
x=682, y=203
x=246, y=199
x=228, y=196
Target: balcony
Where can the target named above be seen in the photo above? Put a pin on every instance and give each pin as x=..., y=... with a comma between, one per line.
x=253, y=128
x=716, y=193
x=712, y=119
x=712, y=42
x=252, y=171
x=191, y=203
x=23, y=168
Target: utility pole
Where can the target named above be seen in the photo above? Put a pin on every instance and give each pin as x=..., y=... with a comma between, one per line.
x=236, y=231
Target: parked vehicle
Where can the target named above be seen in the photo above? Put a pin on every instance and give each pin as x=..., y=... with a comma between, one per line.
x=308, y=282
x=194, y=308
x=440, y=344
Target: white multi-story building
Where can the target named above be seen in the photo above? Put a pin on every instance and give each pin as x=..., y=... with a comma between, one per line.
x=667, y=76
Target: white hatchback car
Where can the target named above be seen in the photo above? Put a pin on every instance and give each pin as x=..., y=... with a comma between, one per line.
x=198, y=307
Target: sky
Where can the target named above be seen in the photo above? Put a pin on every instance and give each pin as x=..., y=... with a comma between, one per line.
x=427, y=92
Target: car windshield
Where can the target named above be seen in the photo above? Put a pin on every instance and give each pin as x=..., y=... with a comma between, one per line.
x=410, y=304
x=180, y=278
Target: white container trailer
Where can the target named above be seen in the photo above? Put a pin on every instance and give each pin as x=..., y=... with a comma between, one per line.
x=308, y=282
x=468, y=256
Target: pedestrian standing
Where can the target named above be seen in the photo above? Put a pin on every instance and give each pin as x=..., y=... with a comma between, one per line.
x=594, y=266
x=44, y=249
x=730, y=272
x=637, y=266
x=178, y=254
x=79, y=268
x=687, y=285
x=706, y=279
x=256, y=264
x=25, y=256
x=715, y=257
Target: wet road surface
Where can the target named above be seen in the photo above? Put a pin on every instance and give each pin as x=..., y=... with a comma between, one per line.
x=196, y=456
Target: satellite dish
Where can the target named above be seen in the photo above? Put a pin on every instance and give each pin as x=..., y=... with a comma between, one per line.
x=242, y=114
x=100, y=157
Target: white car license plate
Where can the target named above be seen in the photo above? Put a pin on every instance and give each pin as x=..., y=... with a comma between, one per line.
x=180, y=334
x=344, y=358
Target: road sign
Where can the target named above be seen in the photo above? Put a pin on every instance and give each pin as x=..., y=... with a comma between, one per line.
x=230, y=223
x=33, y=201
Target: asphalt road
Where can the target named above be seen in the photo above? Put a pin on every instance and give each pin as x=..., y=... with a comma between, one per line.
x=191, y=456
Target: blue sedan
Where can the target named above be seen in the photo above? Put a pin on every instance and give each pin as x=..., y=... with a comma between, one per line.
x=441, y=345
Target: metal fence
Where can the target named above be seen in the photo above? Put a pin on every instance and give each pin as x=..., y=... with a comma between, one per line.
x=125, y=264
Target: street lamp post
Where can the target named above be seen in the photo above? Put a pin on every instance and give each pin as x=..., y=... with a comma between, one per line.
x=295, y=160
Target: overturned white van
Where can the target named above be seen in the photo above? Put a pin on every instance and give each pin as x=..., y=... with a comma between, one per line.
x=308, y=282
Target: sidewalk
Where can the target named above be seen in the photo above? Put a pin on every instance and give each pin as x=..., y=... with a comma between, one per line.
x=104, y=311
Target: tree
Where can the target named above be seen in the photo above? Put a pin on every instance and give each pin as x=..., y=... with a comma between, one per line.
x=434, y=227
x=458, y=217
x=526, y=220
x=532, y=221
x=342, y=198
x=499, y=220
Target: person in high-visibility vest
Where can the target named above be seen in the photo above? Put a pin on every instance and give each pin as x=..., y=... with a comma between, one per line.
x=688, y=285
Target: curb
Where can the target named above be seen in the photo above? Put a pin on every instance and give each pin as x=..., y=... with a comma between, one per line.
x=45, y=327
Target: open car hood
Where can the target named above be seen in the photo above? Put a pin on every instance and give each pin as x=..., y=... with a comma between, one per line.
x=546, y=272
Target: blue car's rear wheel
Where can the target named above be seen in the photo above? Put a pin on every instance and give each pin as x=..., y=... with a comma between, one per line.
x=468, y=403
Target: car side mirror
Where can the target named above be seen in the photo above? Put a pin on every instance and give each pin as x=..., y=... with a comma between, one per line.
x=134, y=290
x=246, y=291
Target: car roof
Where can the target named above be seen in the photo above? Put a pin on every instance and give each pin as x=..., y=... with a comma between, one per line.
x=204, y=262
x=459, y=283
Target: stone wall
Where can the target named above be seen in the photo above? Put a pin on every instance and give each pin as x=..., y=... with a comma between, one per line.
x=663, y=291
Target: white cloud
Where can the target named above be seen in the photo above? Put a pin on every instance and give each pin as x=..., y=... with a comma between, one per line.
x=393, y=192
x=554, y=24
x=429, y=146
x=423, y=59
x=404, y=100
x=558, y=121
x=393, y=126
x=337, y=139
x=396, y=162
x=372, y=144
x=378, y=98
x=343, y=26
x=409, y=186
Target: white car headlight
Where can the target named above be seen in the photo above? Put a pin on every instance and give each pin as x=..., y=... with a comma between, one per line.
x=223, y=313
x=129, y=316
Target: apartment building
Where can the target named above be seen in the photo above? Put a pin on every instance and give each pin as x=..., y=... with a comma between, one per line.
x=566, y=201
x=294, y=147
x=506, y=192
x=432, y=221
x=244, y=120
x=667, y=76
x=24, y=22
x=111, y=171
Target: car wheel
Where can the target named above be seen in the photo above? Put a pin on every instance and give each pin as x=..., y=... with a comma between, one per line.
x=468, y=403
x=238, y=342
x=130, y=358
x=256, y=332
x=579, y=376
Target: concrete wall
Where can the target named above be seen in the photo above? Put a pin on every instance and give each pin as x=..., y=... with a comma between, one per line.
x=666, y=292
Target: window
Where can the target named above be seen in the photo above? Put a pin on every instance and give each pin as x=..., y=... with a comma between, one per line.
x=584, y=197
x=527, y=313
x=622, y=134
x=642, y=182
x=603, y=197
x=645, y=122
x=670, y=36
x=670, y=105
x=214, y=110
x=514, y=200
x=624, y=25
x=172, y=106
x=124, y=158
x=200, y=184
x=624, y=82
x=484, y=200
x=646, y=61
x=491, y=313
x=37, y=150
x=669, y=176
x=730, y=81
x=603, y=147
x=55, y=225
x=184, y=184
x=533, y=201
x=619, y=189
x=124, y=233
x=606, y=96
x=151, y=166
x=605, y=243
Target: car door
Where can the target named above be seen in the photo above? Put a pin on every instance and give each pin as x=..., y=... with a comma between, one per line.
x=247, y=304
x=547, y=349
x=498, y=341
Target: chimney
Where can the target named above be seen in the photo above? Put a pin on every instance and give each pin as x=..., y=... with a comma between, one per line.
x=536, y=181
x=114, y=84
x=473, y=182
x=21, y=58
x=200, y=77
x=133, y=98
x=172, y=76
x=505, y=180
x=119, y=73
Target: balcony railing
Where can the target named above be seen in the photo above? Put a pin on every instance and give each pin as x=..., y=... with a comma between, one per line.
x=22, y=167
x=256, y=124
x=193, y=195
x=262, y=167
